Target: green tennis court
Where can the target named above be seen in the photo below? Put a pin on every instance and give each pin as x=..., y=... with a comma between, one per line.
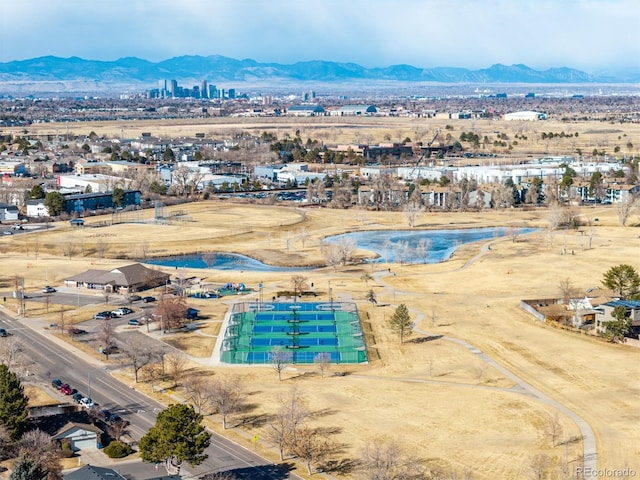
x=301, y=330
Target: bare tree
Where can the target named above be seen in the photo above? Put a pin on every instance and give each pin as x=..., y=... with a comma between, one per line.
x=412, y=212
x=384, y=459
x=623, y=210
x=136, y=349
x=300, y=284
x=101, y=248
x=198, y=390
x=37, y=446
x=567, y=290
x=323, y=361
x=106, y=336
x=280, y=359
x=106, y=294
x=176, y=367
x=539, y=465
x=11, y=352
x=311, y=447
x=422, y=249
x=290, y=416
x=303, y=235
x=35, y=245
x=227, y=397
x=554, y=429
x=173, y=309
x=331, y=254
x=69, y=249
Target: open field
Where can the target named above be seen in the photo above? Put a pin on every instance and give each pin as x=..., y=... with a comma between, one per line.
x=439, y=399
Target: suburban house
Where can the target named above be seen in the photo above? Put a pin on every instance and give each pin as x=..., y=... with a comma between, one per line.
x=81, y=436
x=605, y=312
x=8, y=213
x=36, y=208
x=91, y=472
x=129, y=278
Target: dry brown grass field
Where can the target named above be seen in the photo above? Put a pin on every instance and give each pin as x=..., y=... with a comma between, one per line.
x=439, y=399
x=443, y=403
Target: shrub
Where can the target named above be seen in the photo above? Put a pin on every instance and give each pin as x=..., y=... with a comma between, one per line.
x=117, y=449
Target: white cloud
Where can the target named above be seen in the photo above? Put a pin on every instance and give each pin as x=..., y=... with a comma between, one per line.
x=586, y=34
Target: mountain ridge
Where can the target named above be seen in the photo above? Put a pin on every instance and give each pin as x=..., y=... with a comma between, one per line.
x=216, y=68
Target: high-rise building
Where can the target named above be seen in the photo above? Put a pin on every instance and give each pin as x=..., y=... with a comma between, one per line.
x=173, y=90
x=232, y=93
x=213, y=92
x=204, y=92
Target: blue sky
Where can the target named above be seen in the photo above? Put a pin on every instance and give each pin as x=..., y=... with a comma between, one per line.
x=591, y=35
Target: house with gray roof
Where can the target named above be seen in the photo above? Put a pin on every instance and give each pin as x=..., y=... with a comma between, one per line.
x=129, y=278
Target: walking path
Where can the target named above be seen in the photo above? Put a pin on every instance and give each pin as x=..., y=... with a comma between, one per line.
x=590, y=453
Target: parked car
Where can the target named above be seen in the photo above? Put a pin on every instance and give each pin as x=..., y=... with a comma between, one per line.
x=110, y=349
x=7, y=232
x=86, y=402
x=56, y=383
x=102, y=316
x=66, y=389
x=191, y=314
x=3, y=332
x=48, y=289
x=120, y=312
x=135, y=298
x=134, y=322
x=77, y=397
x=114, y=419
x=148, y=299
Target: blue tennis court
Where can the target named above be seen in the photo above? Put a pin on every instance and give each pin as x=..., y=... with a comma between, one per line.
x=302, y=330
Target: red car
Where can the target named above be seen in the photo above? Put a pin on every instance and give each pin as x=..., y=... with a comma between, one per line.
x=66, y=389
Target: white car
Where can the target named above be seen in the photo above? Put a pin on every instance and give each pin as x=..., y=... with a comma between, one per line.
x=86, y=402
x=119, y=312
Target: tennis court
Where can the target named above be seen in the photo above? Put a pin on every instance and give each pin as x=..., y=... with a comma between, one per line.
x=302, y=331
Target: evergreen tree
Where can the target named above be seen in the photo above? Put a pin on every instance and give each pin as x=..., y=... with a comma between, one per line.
x=55, y=203
x=26, y=468
x=118, y=197
x=13, y=403
x=178, y=436
x=400, y=322
x=624, y=280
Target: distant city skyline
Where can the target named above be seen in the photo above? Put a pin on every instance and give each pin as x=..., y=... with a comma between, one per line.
x=590, y=35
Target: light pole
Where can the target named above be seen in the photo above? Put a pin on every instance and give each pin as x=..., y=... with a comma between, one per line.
x=330, y=294
x=89, y=384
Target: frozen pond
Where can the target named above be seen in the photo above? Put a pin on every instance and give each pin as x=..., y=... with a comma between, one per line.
x=401, y=246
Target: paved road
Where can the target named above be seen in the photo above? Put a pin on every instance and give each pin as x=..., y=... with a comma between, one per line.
x=52, y=358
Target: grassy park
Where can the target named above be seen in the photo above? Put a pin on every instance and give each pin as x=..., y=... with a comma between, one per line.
x=435, y=396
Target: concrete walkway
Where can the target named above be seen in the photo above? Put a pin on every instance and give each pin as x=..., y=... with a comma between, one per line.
x=590, y=452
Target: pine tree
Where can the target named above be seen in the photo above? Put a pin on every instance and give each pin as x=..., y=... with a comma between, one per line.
x=13, y=403
x=400, y=322
x=178, y=436
x=26, y=468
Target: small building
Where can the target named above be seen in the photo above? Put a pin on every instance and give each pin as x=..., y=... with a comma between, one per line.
x=99, y=201
x=129, y=278
x=305, y=110
x=8, y=213
x=357, y=110
x=527, y=116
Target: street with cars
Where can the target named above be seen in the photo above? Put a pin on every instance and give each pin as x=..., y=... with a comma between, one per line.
x=78, y=378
